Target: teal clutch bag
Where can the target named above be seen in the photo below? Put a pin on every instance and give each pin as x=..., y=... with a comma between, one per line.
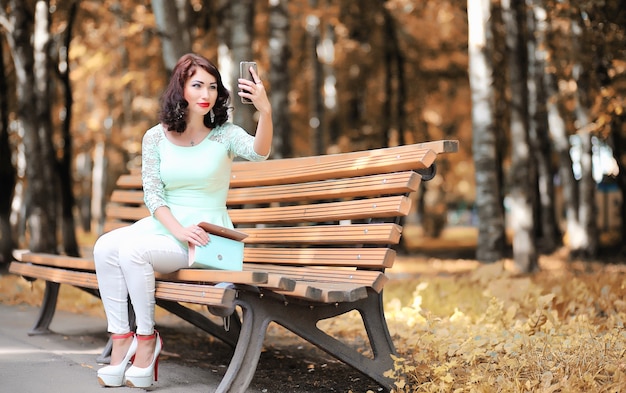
x=223, y=252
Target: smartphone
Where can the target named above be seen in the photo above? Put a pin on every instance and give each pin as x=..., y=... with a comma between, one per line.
x=244, y=73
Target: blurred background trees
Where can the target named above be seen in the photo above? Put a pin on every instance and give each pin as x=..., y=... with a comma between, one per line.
x=533, y=90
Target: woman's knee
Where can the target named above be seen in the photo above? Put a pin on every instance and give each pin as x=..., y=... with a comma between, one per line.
x=104, y=247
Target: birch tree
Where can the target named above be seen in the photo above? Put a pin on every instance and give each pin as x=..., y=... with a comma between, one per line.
x=522, y=171
x=548, y=231
x=491, y=234
x=587, y=239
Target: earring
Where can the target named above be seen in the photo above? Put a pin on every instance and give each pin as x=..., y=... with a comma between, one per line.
x=212, y=116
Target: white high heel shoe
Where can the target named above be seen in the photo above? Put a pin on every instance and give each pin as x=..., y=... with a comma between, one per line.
x=142, y=377
x=114, y=375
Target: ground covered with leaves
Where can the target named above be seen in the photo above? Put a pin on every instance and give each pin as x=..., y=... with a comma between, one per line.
x=458, y=326
x=560, y=330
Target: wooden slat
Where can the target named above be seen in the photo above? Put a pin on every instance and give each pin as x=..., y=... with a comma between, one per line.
x=367, y=278
x=58, y=275
x=191, y=275
x=304, y=291
x=190, y=293
x=110, y=225
x=384, y=207
x=63, y=261
x=134, y=197
x=366, y=186
x=384, y=233
x=317, y=168
x=114, y=211
x=379, y=258
x=393, y=159
x=216, y=276
x=328, y=292
x=132, y=180
x=260, y=279
x=244, y=172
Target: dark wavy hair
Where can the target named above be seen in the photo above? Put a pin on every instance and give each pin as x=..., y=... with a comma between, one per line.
x=174, y=107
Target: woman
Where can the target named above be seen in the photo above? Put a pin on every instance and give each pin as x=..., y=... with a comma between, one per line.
x=186, y=165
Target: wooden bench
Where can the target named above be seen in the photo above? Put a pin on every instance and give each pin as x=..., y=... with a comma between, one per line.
x=321, y=234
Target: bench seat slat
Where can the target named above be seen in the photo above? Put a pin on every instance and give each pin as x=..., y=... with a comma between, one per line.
x=326, y=292
x=190, y=293
x=64, y=261
x=209, y=295
x=367, y=278
x=58, y=275
x=379, y=258
x=383, y=233
x=192, y=275
x=258, y=278
x=384, y=207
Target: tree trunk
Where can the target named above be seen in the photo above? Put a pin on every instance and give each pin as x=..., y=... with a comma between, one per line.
x=559, y=138
x=522, y=171
x=68, y=224
x=29, y=57
x=241, y=41
x=491, y=234
x=224, y=14
x=7, y=173
x=175, y=39
x=394, y=123
x=587, y=213
x=41, y=43
x=279, y=78
x=316, y=118
x=548, y=232
x=618, y=145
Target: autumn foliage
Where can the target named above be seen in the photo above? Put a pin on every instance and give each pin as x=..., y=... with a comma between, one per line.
x=561, y=330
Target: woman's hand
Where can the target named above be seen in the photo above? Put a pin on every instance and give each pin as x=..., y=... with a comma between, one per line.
x=194, y=234
x=255, y=92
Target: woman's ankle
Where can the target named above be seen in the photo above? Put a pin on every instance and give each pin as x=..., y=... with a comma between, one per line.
x=119, y=349
x=145, y=350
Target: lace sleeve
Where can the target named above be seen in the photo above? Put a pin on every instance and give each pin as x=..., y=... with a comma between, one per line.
x=238, y=142
x=153, y=193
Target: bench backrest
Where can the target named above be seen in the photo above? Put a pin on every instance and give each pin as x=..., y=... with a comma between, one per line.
x=334, y=210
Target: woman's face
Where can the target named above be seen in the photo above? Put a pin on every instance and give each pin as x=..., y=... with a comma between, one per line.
x=200, y=92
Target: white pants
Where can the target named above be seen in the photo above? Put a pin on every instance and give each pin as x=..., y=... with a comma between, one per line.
x=126, y=260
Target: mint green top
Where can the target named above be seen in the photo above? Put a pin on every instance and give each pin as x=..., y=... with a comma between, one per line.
x=192, y=181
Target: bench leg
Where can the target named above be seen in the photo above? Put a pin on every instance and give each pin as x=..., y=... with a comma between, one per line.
x=248, y=350
x=373, y=317
x=302, y=319
x=47, y=310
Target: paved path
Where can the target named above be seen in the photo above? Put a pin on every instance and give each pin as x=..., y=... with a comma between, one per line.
x=66, y=361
